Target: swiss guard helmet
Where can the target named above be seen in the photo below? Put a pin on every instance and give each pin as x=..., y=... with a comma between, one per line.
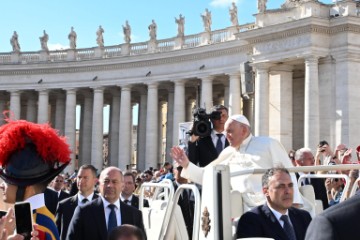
x=31, y=153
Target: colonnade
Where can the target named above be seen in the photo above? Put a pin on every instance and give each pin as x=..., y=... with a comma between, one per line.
x=58, y=107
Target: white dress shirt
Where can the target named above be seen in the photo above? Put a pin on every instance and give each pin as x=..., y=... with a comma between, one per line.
x=81, y=197
x=107, y=210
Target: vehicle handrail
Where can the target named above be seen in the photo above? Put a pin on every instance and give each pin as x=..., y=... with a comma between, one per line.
x=354, y=187
x=340, y=167
x=196, y=222
x=166, y=184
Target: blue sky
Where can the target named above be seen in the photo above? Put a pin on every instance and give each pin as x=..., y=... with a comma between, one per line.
x=29, y=18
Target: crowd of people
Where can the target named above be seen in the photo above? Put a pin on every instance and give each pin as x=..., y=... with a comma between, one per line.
x=104, y=204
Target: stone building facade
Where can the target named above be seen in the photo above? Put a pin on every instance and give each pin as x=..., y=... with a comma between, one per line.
x=305, y=58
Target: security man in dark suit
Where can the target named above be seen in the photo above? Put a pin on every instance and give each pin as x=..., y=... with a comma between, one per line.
x=338, y=222
x=127, y=195
x=304, y=157
x=202, y=151
x=86, y=181
x=276, y=218
x=94, y=220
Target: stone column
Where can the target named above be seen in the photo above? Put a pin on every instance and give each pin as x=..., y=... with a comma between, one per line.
x=262, y=100
x=43, y=106
x=125, y=129
x=114, y=128
x=227, y=95
x=311, y=112
x=179, y=109
x=15, y=104
x=141, y=137
x=152, y=126
x=60, y=113
x=281, y=105
x=160, y=156
x=189, y=109
x=86, y=125
x=169, y=123
x=70, y=125
x=3, y=101
x=327, y=105
x=206, y=93
x=31, y=108
x=234, y=94
x=97, y=136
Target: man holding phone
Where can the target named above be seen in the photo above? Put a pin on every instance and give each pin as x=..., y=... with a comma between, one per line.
x=31, y=155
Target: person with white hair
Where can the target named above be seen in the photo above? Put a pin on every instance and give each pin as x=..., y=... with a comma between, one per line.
x=245, y=152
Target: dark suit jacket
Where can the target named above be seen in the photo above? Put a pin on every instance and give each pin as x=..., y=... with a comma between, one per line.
x=337, y=222
x=135, y=202
x=261, y=222
x=319, y=189
x=64, y=213
x=88, y=222
x=51, y=200
x=203, y=151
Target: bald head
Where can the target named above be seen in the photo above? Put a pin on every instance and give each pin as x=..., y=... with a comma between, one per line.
x=111, y=184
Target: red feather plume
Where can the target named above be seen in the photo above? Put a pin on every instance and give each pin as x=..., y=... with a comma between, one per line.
x=50, y=146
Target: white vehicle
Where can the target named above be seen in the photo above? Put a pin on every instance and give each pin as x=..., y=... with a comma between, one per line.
x=219, y=207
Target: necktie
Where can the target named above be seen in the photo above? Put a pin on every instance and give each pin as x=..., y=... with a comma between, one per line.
x=289, y=230
x=85, y=200
x=307, y=182
x=219, y=145
x=126, y=202
x=112, y=223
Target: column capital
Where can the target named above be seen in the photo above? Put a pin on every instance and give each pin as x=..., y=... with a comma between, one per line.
x=98, y=89
x=70, y=90
x=262, y=66
x=152, y=85
x=42, y=90
x=125, y=88
x=208, y=78
x=15, y=92
x=311, y=59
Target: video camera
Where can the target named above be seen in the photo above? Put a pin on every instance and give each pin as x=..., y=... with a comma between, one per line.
x=202, y=122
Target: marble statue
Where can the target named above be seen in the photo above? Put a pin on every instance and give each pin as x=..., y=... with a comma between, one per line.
x=72, y=38
x=233, y=14
x=127, y=32
x=15, y=42
x=206, y=17
x=181, y=23
x=100, y=37
x=152, y=30
x=43, y=41
x=261, y=6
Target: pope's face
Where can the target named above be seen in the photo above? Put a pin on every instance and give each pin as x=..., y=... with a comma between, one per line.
x=235, y=132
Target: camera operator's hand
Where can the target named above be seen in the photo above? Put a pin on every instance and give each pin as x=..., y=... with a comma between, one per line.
x=178, y=154
x=193, y=138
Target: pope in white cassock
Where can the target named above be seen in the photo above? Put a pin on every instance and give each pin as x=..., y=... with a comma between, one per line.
x=245, y=152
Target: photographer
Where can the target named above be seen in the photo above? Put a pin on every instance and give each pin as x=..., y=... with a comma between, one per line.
x=207, y=142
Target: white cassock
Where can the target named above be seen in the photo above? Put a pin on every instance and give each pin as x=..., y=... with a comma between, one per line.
x=254, y=152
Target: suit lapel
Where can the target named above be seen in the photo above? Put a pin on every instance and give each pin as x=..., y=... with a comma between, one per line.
x=99, y=215
x=125, y=214
x=73, y=203
x=296, y=224
x=135, y=201
x=274, y=223
x=210, y=145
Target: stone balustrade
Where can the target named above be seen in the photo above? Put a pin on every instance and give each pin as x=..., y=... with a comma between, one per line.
x=163, y=45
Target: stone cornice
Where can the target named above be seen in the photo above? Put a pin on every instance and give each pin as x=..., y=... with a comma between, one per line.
x=131, y=62
x=263, y=35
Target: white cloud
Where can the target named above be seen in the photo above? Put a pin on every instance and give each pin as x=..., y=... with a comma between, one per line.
x=57, y=46
x=223, y=3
